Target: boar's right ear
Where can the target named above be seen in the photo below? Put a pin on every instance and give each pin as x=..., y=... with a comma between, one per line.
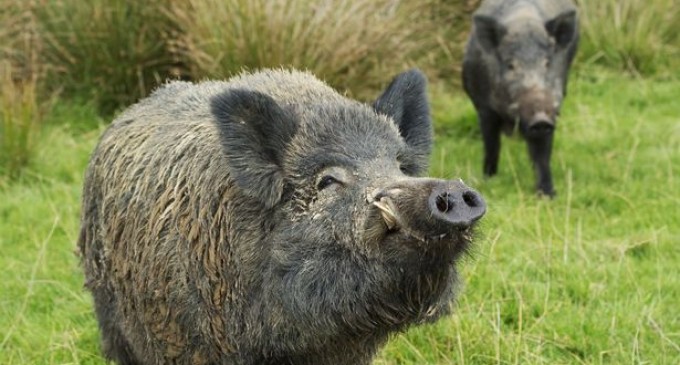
x=254, y=131
x=489, y=31
x=405, y=101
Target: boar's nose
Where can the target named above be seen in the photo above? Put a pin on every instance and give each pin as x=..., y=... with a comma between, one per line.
x=458, y=207
x=541, y=127
x=427, y=207
x=541, y=124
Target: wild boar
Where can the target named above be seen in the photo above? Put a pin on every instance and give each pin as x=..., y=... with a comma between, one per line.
x=515, y=72
x=269, y=220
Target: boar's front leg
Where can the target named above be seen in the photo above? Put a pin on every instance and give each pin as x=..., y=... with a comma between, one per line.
x=540, y=149
x=490, y=124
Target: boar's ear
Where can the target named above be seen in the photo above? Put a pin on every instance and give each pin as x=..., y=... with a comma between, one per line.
x=562, y=27
x=405, y=101
x=254, y=131
x=489, y=31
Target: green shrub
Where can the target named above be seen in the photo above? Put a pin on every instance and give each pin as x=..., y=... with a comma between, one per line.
x=638, y=36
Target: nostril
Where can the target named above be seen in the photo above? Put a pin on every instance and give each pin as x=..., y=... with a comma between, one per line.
x=542, y=127
x=471, y=199
x=454, y=207
x=444, y=203
x=376, y=195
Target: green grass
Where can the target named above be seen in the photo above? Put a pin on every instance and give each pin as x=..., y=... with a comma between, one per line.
x=19, y=121
x=45, y=316
x=588, y=278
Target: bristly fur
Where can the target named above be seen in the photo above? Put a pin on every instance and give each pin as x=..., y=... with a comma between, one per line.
x=207, y=238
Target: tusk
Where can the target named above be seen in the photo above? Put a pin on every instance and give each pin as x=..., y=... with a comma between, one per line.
x=387, y=213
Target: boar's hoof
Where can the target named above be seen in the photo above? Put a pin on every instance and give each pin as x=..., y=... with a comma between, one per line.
x=547, y=192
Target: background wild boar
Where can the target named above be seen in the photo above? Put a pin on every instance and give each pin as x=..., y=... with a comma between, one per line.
x=269, y=220
x=515, y=71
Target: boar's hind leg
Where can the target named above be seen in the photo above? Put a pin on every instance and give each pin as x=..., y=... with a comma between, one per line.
x=539, y=151
x=114, y=345
x=491, y=133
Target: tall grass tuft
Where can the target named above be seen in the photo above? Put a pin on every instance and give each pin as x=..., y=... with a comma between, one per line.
x=452, y=20
x=110, y=51
x=639, y=36
x=21, y=73
x=354, y=45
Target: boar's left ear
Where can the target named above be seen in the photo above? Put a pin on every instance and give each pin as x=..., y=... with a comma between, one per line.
x=254, y=131
x=489, y=32
x=563, y=27
x=405, y=101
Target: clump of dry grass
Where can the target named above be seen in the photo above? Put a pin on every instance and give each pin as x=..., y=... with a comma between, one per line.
x=111, y=51
x=115, y=51
x=638, y=36
x=21, y=72
x=354, y=45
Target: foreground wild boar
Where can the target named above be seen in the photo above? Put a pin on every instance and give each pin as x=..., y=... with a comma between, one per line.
x=515, y=71
x=269, y=220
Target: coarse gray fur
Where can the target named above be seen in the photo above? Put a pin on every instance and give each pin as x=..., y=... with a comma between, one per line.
x=515, y=70
x=269, y=220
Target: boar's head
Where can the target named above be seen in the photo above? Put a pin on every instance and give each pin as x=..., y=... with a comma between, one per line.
x=356, y=240
x=528, y=61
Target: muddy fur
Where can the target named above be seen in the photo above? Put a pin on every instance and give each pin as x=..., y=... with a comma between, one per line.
x=232, y=223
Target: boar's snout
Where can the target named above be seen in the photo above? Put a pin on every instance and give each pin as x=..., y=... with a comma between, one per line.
x=541, y=124
x=537, y=113
x=456, y=208
x=428, y=208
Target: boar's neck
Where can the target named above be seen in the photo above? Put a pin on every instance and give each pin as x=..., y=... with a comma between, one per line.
x=336, y=295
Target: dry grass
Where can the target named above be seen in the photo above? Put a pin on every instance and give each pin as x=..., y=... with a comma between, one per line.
x=115, y=52
x=638, y=36
x=354, y=45
x=112, y=51
x=21, y=73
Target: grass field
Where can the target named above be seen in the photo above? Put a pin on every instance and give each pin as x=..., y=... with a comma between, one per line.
x=588, y=278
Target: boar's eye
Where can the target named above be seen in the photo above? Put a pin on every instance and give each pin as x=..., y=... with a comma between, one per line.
x=326, y=181
x=332, y=177
x=405, y=169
